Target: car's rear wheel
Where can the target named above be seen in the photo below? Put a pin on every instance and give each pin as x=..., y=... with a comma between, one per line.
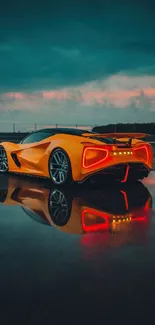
x=60, y=167
x=60, y=205
x=3, y=160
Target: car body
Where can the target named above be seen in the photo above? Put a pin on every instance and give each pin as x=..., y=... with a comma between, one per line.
x=79, y=210
x=66, y=155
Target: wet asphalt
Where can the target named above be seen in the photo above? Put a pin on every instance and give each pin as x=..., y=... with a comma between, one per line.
x=76, y=256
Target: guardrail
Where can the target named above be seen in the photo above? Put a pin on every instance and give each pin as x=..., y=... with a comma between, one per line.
x=29, y=127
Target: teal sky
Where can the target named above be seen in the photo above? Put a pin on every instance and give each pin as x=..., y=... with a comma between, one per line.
x=77, y=61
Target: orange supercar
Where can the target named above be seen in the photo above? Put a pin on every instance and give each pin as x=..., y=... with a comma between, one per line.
x=73, y=155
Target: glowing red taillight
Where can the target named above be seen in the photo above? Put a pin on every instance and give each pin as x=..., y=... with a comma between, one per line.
x=142, y=153
x=93, y=156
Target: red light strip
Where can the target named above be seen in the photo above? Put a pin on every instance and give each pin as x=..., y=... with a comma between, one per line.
x=126, y=199
x=98, y=162
x=126, y=175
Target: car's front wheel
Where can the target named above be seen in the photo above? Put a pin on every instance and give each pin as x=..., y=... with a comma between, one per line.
x=3, y=160
x=60, y=167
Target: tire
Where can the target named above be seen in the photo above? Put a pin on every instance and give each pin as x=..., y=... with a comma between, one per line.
x=3, y=161
x=60, y=167
x=60, y=205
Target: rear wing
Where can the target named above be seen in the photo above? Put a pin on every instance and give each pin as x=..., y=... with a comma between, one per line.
x=117, y=135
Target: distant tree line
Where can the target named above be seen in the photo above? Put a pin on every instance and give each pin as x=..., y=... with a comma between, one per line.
x=128, y=127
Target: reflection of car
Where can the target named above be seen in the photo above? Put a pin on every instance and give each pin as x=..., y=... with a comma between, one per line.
x=66, y=155
x=79, y=210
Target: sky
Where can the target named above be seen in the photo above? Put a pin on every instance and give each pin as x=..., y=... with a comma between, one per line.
x=77, y=62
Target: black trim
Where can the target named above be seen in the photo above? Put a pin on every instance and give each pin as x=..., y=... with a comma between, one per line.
x=15, y=159
x=117, y=173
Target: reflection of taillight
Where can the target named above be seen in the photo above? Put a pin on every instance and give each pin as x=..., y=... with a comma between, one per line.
x=94, y=220
x=125, y=198
x=148, y=204
x=142, y=153
x=93, y=156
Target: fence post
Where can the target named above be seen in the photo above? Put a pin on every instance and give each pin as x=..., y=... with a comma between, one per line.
x=14, y=128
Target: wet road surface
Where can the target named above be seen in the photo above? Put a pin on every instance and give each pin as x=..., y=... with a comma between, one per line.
x=76, y=256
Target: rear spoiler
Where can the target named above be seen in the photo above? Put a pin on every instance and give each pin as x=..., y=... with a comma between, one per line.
x=116, y=135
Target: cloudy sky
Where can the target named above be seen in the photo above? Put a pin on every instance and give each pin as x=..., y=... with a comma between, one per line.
x=77, y=61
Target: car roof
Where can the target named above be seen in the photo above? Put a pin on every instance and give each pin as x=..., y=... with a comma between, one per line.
x=74, y=131
x=71, y=131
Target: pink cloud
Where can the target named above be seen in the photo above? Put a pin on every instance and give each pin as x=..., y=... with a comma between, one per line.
x=57, y=94
x=86, y=97
x=149, y=92
x=116, y=91
x=15, y=95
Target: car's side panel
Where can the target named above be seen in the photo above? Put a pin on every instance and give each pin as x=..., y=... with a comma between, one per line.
x=29, y=157
x=34, y=157
x=9, y=148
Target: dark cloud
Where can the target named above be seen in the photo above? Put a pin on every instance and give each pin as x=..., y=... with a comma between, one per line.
x=46, y=44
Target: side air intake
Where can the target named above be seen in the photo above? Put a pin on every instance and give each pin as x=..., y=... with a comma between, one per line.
x=15, y=159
